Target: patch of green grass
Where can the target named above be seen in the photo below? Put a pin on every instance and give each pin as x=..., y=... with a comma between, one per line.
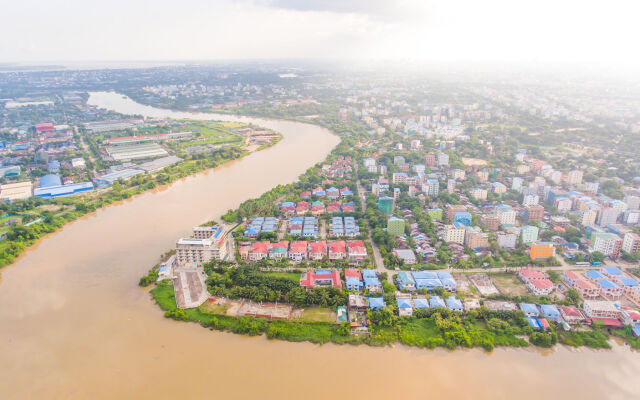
x=318, y=314
x=294, y=276
x=213, y=308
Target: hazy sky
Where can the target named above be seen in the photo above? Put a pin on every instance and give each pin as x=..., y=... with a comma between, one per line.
x=563, y=31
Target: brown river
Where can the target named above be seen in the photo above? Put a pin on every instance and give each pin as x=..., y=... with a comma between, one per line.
x=75, y=325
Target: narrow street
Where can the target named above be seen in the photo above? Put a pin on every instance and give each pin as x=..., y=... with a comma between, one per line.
x=377, y=257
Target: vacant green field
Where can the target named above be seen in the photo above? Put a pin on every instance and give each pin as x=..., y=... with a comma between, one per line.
x=211, y=133
x=294, y=276
x=209, y=307
x=318, y=314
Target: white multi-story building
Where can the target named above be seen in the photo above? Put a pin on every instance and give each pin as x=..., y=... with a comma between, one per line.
x=443, y=159
x=589, y=217
x=451, y=186
x=574, y=177
x=431, y=187
x=516, y=184
x=529, y=234
x=209, y=244
x=633, y=202
x=608, y=216
x=454, y=234
x=16, y=191
x=563, y=205
x=479, y=193
x=507, y=240
x=606, y=243
x=530, y=200
x=458, y=174
x=631, y=243
x=506, y=215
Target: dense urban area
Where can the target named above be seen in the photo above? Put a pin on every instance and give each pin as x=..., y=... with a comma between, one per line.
x=457, y=211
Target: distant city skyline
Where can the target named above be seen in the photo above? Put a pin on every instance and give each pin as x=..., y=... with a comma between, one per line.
x=495, y=31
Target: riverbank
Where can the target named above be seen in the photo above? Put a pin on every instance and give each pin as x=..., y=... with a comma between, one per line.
x=21, y=238
x=81, y=284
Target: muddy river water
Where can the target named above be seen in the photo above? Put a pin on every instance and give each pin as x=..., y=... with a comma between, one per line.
x=74, y=323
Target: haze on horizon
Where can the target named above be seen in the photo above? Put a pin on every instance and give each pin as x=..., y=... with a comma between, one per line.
x=493, y=31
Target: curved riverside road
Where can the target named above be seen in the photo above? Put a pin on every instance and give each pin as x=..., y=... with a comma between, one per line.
x=74, y=324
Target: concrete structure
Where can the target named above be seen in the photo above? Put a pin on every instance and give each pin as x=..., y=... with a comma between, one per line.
x=16, y=191
x=454, y=234
x=608, y=216
x=395, y=226
x=507, y=240
x=50, y=192
x=385, y=204
x=475, y=238
x=631, y=243
x=574, y=177
x=606, y=243
x=506, y=214
x=541, y=251
x=535, y=212
x=198, y=251
x=588, y=217
x=529, y=234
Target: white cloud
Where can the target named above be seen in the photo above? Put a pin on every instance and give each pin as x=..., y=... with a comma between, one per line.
x=455, y=30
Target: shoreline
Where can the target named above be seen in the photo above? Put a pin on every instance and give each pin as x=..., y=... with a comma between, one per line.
x=101, y=196
x=261, y=327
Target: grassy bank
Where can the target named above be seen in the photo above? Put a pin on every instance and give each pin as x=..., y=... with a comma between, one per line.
x=430, y=329
x=19, y=238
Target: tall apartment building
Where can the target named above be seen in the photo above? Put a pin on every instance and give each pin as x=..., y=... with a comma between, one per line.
x=454, y=234
x=529, y=234
x=606, y=243
x=631, y=243
x=506, y=214
x=474, y=237
x=530, y=200
x=588, y=217
x=608, y=216
x=535, y=212
x=574, y=177
x=452, y=209
x=541, y=251
x=201, y=250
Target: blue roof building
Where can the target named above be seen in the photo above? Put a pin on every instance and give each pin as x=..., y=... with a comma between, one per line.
x=376, y=303
x=529, y=309
x=109, y=178
x=454, y=304
x=628, y=282
x=463, y=217
x=436, y=301
x=595, y=274
x=550, y=311
x=444, y=275
x=449, y=284
x=369, y=273
x=611, y=271
x=50, y=180
x=428, y=284
x=420, y=303
x=425, y=275
x=353, y=283
x=372, y=283
x=534, y=323
x=406, y=281
x=51, y=192
x=607, y=284
x=404, y=303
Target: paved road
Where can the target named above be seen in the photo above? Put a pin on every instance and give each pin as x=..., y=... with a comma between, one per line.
x=377, y=257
